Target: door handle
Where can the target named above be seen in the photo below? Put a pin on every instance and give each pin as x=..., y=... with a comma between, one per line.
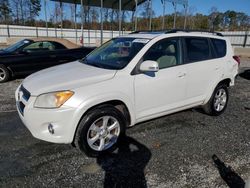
x=52, y=56
x=182, y=75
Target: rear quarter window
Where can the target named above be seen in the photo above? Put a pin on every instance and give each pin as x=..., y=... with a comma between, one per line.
x=220, y=47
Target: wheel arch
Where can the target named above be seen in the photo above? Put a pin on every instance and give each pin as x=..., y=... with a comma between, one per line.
x=10, y=70
x=118, y=104
x=226, y=81
x=124, y=107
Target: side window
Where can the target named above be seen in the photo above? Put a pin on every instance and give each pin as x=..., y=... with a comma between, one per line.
x=39, y=46
x=197, y=49
x=166, y=52
x=48, y=46
x=220, y=47
x=36, y=46
x=58, y=46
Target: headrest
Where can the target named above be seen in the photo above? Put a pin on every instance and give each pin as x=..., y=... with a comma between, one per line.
x=170, y=49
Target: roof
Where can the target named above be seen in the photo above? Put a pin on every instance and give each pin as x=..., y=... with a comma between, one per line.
x=142, y=35
x=65, y=42
x=114, y=4
x=174, y=32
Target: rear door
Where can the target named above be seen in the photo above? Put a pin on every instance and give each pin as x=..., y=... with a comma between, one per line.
x=203, y=68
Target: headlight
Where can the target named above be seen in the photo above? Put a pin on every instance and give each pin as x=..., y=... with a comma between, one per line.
x=53, y=100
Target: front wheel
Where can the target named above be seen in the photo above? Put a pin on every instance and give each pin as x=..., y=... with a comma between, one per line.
x=218, y=102
x=100, y=130
x=4, y=74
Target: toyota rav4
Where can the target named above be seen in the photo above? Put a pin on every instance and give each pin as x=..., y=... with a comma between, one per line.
x=129, y=79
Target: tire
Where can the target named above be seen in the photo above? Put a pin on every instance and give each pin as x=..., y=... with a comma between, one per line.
x=218, y=101
x=4, y=74
x=92, y=126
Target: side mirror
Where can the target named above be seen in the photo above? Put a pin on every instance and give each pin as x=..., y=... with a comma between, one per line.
x=149, y=66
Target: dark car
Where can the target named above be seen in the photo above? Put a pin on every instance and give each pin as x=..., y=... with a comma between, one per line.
x=31, y=55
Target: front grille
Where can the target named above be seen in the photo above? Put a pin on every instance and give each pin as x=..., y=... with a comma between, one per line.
x=26, y=93
x=23, y=97
x=20, y=106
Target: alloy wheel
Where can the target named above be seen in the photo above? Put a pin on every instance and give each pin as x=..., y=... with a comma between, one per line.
x=220, y=100
x=103, y=133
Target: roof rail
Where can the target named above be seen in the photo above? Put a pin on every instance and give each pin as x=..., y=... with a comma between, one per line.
x=175, y=31
x=147, y=31
x=188, y=31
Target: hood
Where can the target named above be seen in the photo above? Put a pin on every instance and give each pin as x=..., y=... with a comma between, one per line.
x=65, y=77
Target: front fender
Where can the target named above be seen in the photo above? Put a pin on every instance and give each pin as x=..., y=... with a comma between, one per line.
x=99, y=99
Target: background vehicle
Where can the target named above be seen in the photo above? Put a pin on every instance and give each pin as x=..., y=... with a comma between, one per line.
x=31, y=55
x=126, y=81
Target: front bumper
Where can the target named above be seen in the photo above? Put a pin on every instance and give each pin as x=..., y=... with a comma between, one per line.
x=39, y=121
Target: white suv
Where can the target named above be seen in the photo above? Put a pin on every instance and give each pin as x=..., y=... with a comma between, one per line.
x=129, y=79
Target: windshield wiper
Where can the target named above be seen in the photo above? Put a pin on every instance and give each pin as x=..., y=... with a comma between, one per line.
x=85, y=61
x=96, y=65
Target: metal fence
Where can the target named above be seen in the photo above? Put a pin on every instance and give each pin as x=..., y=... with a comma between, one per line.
x=238, y=38
x=8, y=33
x=91, y=37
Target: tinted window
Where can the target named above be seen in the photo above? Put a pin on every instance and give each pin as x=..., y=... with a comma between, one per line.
x=48, y=46
x=36, y=46
x=197, y=49
x=43, y=46
x=166, y=52
x=58, y=46
x=220, y=47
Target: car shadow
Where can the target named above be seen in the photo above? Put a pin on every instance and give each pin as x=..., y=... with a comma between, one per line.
x=126, y=166
x=245, y=74
x=232, y=179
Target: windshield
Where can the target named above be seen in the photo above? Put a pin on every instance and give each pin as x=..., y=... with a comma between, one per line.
x=116, y=53
x=17, y=45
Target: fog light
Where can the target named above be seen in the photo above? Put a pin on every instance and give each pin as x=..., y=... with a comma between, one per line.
x=51, y=129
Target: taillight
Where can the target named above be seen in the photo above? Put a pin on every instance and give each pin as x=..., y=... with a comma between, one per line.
x=237, y=58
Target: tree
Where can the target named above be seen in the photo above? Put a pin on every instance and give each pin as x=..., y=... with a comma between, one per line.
x=147, y=11
x=94, y=15
x=5, y=11
x=213, y=18
x=72, y=15
x=230, y=19
x=242, y=20
x=15, y=11
x=35, y=8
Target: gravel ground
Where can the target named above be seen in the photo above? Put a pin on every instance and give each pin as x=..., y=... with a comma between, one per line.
x=172, y=151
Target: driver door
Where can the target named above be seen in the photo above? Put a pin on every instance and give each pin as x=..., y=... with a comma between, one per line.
x=158, y=93
x=34, y=57
x=40, y=55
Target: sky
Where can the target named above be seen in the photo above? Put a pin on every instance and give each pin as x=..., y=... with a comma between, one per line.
x=197, y=6
x=203, y=6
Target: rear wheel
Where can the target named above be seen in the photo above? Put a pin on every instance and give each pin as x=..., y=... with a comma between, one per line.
x=218, y=102
x=4, y=74
x=100, y=130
